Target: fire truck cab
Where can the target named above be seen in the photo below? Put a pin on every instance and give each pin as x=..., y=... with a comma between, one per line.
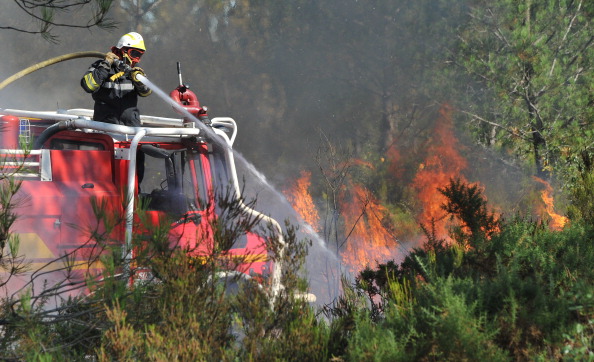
x=169, y=166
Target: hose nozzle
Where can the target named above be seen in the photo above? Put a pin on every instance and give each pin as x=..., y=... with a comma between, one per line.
x=122, y=66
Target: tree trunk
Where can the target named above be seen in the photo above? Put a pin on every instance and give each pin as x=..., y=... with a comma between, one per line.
x=389, y=122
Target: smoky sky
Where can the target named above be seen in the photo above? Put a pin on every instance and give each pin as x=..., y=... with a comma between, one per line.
x=328, y=68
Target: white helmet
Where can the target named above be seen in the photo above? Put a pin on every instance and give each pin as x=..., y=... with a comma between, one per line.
x=131, y=40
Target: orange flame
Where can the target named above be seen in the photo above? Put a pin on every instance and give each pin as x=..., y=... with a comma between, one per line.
x=301, y=200
x=557, y=221
x=368, y=240
x=443, y=163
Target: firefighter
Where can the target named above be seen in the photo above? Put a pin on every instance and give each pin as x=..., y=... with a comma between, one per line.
x=114, y=84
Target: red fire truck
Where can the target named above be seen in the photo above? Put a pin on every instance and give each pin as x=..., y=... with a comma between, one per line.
x=174, y=167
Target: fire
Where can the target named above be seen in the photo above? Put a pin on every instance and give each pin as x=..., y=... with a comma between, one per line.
x=557, y=221
x=301, y=200
x=368, y=240
x=442, y=164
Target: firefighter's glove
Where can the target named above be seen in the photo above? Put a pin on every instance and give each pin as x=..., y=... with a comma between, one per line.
x=110, y=57
x=135, y=72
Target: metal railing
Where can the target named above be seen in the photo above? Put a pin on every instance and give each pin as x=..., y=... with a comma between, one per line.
x=25, y=164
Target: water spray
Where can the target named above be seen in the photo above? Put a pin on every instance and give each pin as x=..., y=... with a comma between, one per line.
x=276, y=287
x=197, y=120
x=187, y=100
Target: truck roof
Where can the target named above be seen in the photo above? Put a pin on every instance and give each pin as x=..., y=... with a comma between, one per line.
x=155, y=126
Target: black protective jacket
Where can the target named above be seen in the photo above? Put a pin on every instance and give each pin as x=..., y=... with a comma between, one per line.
x=115, y=94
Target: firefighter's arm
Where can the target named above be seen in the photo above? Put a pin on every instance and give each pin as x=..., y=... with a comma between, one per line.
x=142, y=89
x=97, y=73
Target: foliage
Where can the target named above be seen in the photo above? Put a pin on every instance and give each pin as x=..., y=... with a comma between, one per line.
x=466, y=203
x=194, y=314
x=581, y=194
x=371, y=74
x=44, y=13
x=532, y=65
x=188, y=307
x=523, y=293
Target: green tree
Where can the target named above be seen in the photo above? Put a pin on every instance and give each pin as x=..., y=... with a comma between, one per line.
x=532, y=62
x=191, y=308
x=49, y=14
x=502, y=298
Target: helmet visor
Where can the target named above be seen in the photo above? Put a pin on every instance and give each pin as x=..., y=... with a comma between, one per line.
x=134, y=54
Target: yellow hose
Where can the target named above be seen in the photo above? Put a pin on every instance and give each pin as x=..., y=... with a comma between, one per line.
x=31, y=69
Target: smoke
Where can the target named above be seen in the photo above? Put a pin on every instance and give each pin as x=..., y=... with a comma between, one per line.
x=324, y=268
x=50, y=88
x=372, y=77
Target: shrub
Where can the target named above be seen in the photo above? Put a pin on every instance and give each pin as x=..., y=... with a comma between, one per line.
x=520, y=291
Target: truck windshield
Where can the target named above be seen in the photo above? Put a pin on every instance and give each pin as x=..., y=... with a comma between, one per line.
x=171, y=180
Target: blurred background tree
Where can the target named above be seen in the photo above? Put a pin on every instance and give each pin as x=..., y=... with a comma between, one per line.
x=46, y=15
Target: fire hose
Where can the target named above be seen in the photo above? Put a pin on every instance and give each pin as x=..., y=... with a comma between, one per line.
x=276, y=283
x=34, y=67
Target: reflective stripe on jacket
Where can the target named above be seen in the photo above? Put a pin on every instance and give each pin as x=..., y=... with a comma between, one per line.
x=115, y=95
